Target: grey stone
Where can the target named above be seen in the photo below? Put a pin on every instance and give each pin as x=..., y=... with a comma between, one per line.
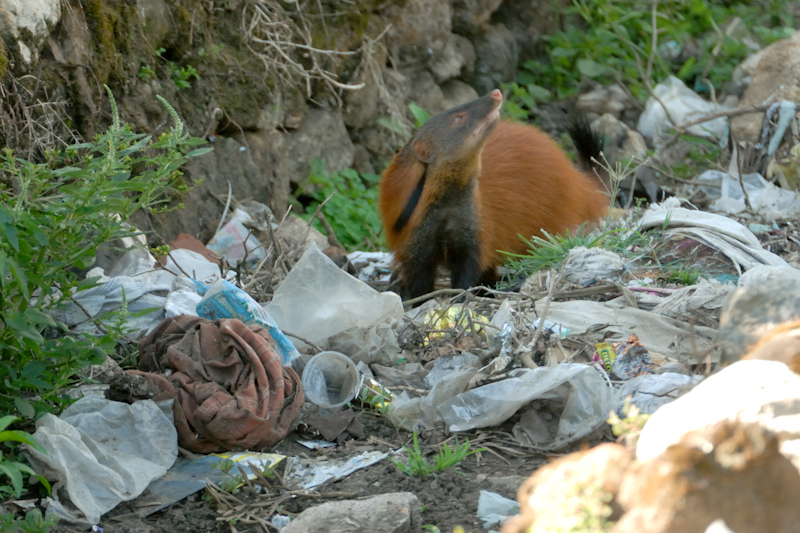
x=322, y=134
x=467, y=51
x=396, y=512
x=456, y=92
x=361, y=161
x=756, y=308
x=292, y=231
x=156, y=21
x=450, y=62
x=604, y=99
x=496, y=58
x=420, y=30
x=426, y=93
x=256, y=166
x=528, y=21
x=776, y=78
x=470, y=15
x=505, y=485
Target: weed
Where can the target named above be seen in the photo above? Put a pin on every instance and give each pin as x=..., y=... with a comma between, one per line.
x=551, y=250
x=14, y=470
x=182, y=75
x=352, y=210
x=616, y=40
x=629, y=428
x=522, y=98
x=213, y=52
x=418, y=465
x=420, y=115
x=33, y=522
x=51, y=223
x=683, y=275
x=375, y=396
x=146, y=73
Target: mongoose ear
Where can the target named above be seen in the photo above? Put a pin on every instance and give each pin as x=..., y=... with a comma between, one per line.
x=421, y=151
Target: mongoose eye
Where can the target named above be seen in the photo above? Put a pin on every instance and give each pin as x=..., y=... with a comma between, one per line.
x=457, y=119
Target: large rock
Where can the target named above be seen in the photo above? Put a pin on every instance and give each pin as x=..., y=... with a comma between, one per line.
x=528, y=21
x=156, y=21
x=457, y=56
x=420, y=31
x=256, y=167
x=322, y=134
x=765, y=393
x=765, y=298
x=496, y=58
x=25, y=26
x=776, y=78
x=455, y=92
x=426, y=93
x=733, y=472
x=555, y=496
x=396, y=512
x=469, y=16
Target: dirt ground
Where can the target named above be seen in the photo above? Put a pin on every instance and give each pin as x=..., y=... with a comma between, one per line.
x=447, y=499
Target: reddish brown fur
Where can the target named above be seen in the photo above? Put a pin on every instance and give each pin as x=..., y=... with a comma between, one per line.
x=526, y=184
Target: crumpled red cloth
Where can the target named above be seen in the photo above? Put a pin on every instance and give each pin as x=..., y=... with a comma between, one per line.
x=231, y=391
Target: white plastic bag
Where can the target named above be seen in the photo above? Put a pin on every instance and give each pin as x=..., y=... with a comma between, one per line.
x=684, y=106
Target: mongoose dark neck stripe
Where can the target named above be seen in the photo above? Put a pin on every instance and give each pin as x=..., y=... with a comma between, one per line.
x=411, y=205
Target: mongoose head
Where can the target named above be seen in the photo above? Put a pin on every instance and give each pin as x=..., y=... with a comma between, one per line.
x=458, y=134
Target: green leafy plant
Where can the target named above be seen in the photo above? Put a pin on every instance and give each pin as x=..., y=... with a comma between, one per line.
x=213, y=51
x=232, y=483
x=522, y=98
x=613, y=41
x=683, y=275
x=146, y=73
x=182, y=75
x=53, y=217
x=376, y=397
x=551, y=250
x=352, y=209
x=420, y=115
x=630, y=426
x=418, y=465
x=14, y=470
x=33, y=522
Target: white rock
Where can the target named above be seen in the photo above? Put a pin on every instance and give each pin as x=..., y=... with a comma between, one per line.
x=762, y=392
x=37, y=17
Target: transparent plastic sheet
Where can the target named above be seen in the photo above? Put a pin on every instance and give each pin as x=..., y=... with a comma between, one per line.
x=765, y=198
x=657, y=333
x=587, y=398
x=317, y=300
x=194, y=265
x=494, y=509
x=651, y=391
x=684, y=105
x=234, y=241
x=310, y=473
x=102, y=453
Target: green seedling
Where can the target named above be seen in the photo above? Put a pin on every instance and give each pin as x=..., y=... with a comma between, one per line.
x=351, y=207
x=418, y=465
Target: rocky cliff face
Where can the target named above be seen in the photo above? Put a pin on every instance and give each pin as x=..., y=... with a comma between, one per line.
x=271, y=84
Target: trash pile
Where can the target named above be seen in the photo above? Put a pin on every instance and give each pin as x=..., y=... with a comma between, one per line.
x=602, y=334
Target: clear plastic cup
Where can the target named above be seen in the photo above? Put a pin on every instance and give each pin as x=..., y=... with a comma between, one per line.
x=330, y=380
